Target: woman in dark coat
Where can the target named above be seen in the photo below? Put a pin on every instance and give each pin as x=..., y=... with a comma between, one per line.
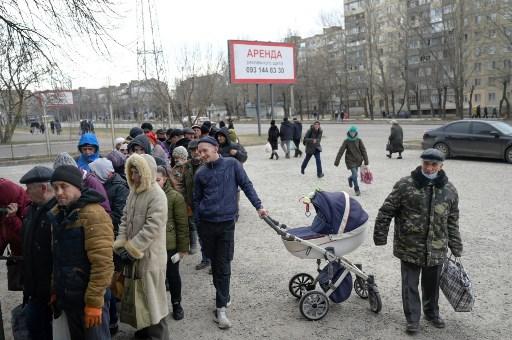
x=312, y=141
x=396, y=140
x=354, y=156
x=273, y=136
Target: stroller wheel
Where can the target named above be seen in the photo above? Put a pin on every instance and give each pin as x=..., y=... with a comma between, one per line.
x=361, y=288
x=375, y=301
x=314, y=305
x=300, y=283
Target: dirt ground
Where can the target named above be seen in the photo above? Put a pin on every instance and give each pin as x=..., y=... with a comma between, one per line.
x=263, y=308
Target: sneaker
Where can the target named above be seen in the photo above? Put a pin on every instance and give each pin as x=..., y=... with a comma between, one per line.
x=350, y=182
x=358, y=193
x=221, y=318
x=202, y=265
x=412, y=327
x=321, y=175
x=399, y=157
x=437, y=321
x=177, y=311
x=302, y=171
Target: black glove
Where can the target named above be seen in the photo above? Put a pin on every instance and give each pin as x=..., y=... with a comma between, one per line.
x=125, y=256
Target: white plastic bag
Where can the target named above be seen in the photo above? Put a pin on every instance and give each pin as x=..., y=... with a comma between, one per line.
x=60, y=327
x=268, y=148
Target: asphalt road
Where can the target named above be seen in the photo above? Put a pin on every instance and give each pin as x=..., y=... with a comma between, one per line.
x=262, y=306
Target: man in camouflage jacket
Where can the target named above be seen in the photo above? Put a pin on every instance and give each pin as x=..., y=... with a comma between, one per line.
x=425, y=208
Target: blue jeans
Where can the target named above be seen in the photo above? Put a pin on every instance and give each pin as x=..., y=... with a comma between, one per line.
x=39, y=320
x=318, y=162
x=353, y=178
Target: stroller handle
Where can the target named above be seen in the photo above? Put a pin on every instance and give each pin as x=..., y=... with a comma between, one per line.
x=275, y=225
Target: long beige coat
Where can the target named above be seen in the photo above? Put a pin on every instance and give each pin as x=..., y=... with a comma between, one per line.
x=142, y=232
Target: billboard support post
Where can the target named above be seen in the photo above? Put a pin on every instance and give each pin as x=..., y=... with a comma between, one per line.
x=271, y=102
x=258, y=108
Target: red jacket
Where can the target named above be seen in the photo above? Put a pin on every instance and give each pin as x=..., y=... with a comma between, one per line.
x=10, y=227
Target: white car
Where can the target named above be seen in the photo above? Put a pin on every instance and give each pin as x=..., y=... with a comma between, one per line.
x=196, y=120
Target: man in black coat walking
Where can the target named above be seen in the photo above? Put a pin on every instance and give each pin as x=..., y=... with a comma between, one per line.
x=297, y=135
x=37, y=253
x=286, y=134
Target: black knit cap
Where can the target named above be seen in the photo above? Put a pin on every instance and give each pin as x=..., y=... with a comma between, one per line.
x=69, y=174
x=146, y=126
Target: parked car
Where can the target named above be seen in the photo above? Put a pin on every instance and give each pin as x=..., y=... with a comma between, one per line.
x=473, y=138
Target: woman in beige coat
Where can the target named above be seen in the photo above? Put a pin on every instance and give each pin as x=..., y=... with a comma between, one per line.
x=142, y=238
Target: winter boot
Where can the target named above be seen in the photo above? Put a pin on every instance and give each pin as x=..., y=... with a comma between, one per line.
x=277, y=156
x=388, y=155
x=177, y=311
x=272, y=155
x=358, y=193
x=350, y=184
x=287, y=155
x=399, y=155
x=221, y=318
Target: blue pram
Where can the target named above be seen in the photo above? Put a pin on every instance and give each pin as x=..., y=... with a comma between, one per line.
x=338, y=228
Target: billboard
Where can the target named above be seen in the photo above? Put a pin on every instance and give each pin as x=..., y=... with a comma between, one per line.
x=256, y=62
x=57, y=98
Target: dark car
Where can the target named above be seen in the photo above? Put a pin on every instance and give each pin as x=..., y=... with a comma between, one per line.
x=473, y=138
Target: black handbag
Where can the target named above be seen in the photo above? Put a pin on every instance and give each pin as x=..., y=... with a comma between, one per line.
x=14, y=273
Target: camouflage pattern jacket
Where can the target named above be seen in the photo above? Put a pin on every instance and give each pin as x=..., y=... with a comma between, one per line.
x=426, y=217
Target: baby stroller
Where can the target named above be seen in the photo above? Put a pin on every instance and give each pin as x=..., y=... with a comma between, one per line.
x=338, y=228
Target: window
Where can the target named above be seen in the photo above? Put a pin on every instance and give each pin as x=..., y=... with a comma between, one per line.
x=477, y=98
x=492, y=49
x=478, y=67
x=492, y=97
x=493, y=65
x=477, y=82
x=478, y=18
x=460, y=127
x=481, y=129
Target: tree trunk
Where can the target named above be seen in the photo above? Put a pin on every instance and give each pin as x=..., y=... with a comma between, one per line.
x=418, y=100
x=393, y=103
x=470, y=108
x=504, y=99
x=445, y=92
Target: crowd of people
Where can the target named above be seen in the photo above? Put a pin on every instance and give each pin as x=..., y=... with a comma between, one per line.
x=134, y=212
x=93, y=221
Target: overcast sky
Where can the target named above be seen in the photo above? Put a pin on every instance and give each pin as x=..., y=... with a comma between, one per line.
x=192, y=24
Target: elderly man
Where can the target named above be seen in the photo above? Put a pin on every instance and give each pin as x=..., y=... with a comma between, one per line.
x=425, y=208
x=215, y=211
x=37, y=252
x=82, y=238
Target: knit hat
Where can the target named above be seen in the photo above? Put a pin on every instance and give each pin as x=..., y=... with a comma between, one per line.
x=102, y=167
x=193, y=144
x=134, y=132
x=117, y=159
x=353, y=128
x=180, y=152
x=119, y=140
x=64, y=158
x=209, y=140
x=69, y=174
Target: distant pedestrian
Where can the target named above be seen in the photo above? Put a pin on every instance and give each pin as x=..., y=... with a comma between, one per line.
x=355, y=153
x=395, y=140
x=52, y=127
x=486, y=112
x=425, y=210
x=342, y=115
x=478, y=111
x=42, y=128
x=297, y=136
x=494, y=113
x=273, y=138
x=232, y=132
x=58, y=126
x=312, y=140
x=286, y=135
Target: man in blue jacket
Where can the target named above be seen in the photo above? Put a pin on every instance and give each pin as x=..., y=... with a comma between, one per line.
x=89, y=150
x=215, y=211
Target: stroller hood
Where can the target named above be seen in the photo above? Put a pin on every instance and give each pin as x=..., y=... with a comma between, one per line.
x=330, y=209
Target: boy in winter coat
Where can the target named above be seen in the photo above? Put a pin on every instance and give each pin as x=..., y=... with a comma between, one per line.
x=312, y=141
x=354, y=157
x=177, y=238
